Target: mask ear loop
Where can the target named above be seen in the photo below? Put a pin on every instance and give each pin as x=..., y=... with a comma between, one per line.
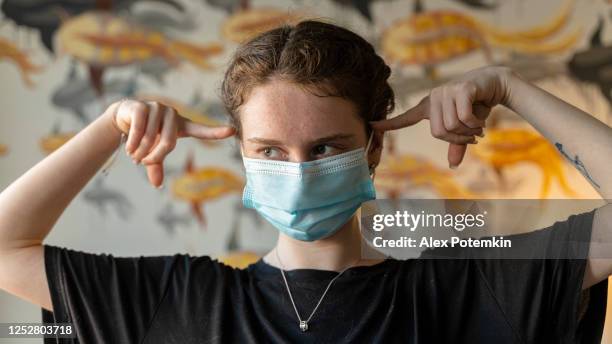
x=367, y=149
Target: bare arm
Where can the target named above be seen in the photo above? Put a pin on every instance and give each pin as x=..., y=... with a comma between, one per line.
x=457, y=111
x=582, y=139
x=31, y=205
x=587, y=144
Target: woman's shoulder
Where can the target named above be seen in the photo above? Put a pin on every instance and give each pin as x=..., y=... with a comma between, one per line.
x=177, y=263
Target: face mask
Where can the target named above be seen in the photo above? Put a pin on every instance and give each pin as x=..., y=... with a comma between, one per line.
x=309, y=200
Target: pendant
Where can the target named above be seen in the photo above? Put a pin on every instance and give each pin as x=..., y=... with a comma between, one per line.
x=303, y=326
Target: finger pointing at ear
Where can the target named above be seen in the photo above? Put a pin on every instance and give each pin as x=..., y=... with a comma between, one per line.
x=411, y=117
x=187, y=128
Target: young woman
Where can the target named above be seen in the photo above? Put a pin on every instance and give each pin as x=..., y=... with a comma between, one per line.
x=308, y=104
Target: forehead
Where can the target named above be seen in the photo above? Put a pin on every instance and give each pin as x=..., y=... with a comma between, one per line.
x=287, y=112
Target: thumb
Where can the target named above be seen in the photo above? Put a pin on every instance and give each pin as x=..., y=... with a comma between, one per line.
x=204, y=132
x=411, y=117
x=155, y=172
x=456, y=152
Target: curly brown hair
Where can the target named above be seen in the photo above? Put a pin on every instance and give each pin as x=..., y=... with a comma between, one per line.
x=325, y=59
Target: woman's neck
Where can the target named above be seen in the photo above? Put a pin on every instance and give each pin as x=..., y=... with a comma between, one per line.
x=336, y=252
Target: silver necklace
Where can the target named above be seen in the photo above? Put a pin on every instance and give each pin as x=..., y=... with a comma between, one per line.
x=304, y=323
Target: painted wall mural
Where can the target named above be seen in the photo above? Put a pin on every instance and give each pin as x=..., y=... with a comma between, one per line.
x=62, y=62
x=429, y=38
x=76, y=57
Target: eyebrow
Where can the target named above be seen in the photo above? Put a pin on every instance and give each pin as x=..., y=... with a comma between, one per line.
x=334, y=137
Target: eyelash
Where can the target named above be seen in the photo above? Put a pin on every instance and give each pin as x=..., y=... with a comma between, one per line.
x=267, y=148
x=321, y=145
x=264, y=149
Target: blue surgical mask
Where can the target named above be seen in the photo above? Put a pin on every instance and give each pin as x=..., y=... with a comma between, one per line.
x=309, y=200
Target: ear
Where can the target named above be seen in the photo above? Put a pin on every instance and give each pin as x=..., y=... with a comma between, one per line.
x=376, y=148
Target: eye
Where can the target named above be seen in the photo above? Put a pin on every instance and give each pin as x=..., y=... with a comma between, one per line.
x=271, y=152
x=323, y=150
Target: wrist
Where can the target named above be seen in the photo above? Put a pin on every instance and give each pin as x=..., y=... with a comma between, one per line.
x=107, y=123
x=507, y=79
x=110, y=118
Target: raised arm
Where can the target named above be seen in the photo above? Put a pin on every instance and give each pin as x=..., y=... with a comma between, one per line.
x=457, y=111
x=582, y=139
x=31, y=205
x=587, y=144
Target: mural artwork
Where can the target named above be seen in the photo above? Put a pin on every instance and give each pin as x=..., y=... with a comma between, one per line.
x=105, y=50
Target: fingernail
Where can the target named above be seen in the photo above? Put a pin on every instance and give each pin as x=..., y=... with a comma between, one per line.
x=452, y=167
x=160, y=186
x=481, y=134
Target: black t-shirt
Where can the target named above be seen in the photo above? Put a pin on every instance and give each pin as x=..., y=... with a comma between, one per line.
x=187, y=299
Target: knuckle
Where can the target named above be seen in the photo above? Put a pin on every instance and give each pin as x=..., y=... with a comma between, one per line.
x=155, y=159
x=137, y=107
x=165, y=146
x=437, y=132
x=125, y=102
x=145, y=141
x=462, y=86
x=435, y=93
x=463, y=95
x=172, y=111
x=468, y=119
x=118, y=103
x=453, y=124
x=123, y=105
x=471, y=86
x=464, y=115
x=154, y=106
x=171, y=115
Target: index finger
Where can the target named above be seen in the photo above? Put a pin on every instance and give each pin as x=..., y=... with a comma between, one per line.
x=411, y=117
x=188, y=128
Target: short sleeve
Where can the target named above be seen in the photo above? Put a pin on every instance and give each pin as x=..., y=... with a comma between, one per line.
x=107, y=299
x=543, y=298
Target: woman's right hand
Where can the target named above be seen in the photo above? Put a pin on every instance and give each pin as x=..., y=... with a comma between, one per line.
x=152, y=129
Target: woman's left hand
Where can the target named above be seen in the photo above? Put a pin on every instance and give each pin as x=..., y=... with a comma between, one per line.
x=456, y=110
